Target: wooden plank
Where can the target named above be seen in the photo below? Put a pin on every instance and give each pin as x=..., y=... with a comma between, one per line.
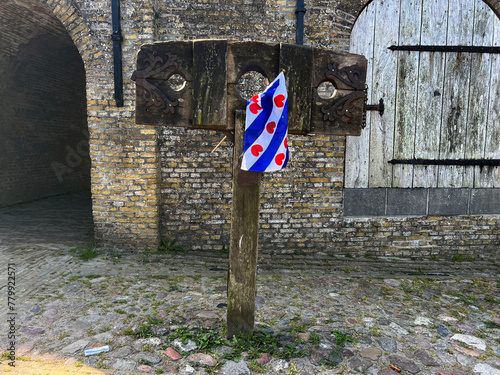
x=297, y=62
x=479, y=94
x=456, y=93
x=384, y=86
x=346, y=71
x=358, y=148
x=492, y=149
x=209, y=84
x=156, y=102
x=430, y=91
x=406, y=95
x=243, y=244
x=343, y=113
x=244, y=57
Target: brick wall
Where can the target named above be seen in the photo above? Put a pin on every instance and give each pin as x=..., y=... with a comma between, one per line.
x=124, y=156
x=265, y=20
x=297, y=206
x=301, y=209
x=301, y=206
x=476, y=236
x=43, y=121
x=195, y=188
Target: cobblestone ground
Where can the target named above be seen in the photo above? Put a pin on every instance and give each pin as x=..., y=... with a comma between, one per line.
x=165, y=313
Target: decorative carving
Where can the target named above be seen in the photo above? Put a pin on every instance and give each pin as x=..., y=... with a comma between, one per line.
x=349, y=75
x=154, y=96
x=342, y=107
x=211, y=69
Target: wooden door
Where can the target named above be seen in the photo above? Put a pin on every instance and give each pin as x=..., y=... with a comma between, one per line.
x=438, y=105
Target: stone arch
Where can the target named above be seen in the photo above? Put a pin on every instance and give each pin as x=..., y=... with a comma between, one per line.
x=72, y=19
x=43, y=107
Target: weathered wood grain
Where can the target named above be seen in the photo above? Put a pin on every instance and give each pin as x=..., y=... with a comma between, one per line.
x=430, y=91
x=350, y=69
x=243, y=57
x=156, y=55
x=297, y=62
x=243, y=244
x=457, y=109
x=492, y=150
x=384, y=86
x=209, y=84
x=212, y=70
x=346, y=110
x=358, y=148
x=406, y=95
x=479, y=94
x=456, y=93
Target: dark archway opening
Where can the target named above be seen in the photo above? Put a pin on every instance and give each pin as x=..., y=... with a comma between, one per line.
x=44, y=136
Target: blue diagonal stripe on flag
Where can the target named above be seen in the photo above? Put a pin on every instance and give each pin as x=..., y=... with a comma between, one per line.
x=265, y=147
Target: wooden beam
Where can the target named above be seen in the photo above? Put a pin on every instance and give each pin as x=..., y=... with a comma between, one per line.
x=297, y=62
x=243, y=244
x=212, y=69
x=209, y=84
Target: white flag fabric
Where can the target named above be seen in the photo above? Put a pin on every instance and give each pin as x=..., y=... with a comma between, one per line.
x=265, y=147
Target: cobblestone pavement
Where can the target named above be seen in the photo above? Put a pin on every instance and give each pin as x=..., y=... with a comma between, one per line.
x=164, y=312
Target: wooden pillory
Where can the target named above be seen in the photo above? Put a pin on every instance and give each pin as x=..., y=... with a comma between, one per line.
x=208, y=98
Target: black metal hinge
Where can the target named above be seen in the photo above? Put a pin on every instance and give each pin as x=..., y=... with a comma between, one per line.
x=421, y=48
x=376, y=107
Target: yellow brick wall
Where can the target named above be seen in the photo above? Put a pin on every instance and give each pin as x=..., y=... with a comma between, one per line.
x=141, y=175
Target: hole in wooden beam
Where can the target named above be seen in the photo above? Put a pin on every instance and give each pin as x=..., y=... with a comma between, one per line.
x=176, y=82
x=251, y=83
x=326, y=90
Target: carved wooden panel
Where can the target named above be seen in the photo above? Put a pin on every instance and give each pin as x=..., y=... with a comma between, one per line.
x=209, y=84
x=211, y=70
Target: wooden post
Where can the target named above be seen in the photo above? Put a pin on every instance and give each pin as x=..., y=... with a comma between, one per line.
x=244, y=237
x=211, y=70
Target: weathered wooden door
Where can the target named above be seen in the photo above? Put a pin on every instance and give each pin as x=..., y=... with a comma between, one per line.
x=438, y=105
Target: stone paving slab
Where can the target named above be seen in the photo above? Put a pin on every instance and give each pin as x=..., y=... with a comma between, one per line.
x=399, y=316
x=51, y=222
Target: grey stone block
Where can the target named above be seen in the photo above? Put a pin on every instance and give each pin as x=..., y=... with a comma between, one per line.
x=364, y=202
x=235, y=368
x=448, y=201
x=406, y=202
x=75, y=347
x=485, y=201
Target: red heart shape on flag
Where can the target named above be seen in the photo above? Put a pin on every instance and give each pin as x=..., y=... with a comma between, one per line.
x=279, y=100
x=270, y=127
x=255, y=99
x=286, y=142
x=256, y=150
x=255, y=108
x=279, y=159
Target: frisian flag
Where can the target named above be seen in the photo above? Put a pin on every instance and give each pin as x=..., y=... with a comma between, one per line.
x=265, y=146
